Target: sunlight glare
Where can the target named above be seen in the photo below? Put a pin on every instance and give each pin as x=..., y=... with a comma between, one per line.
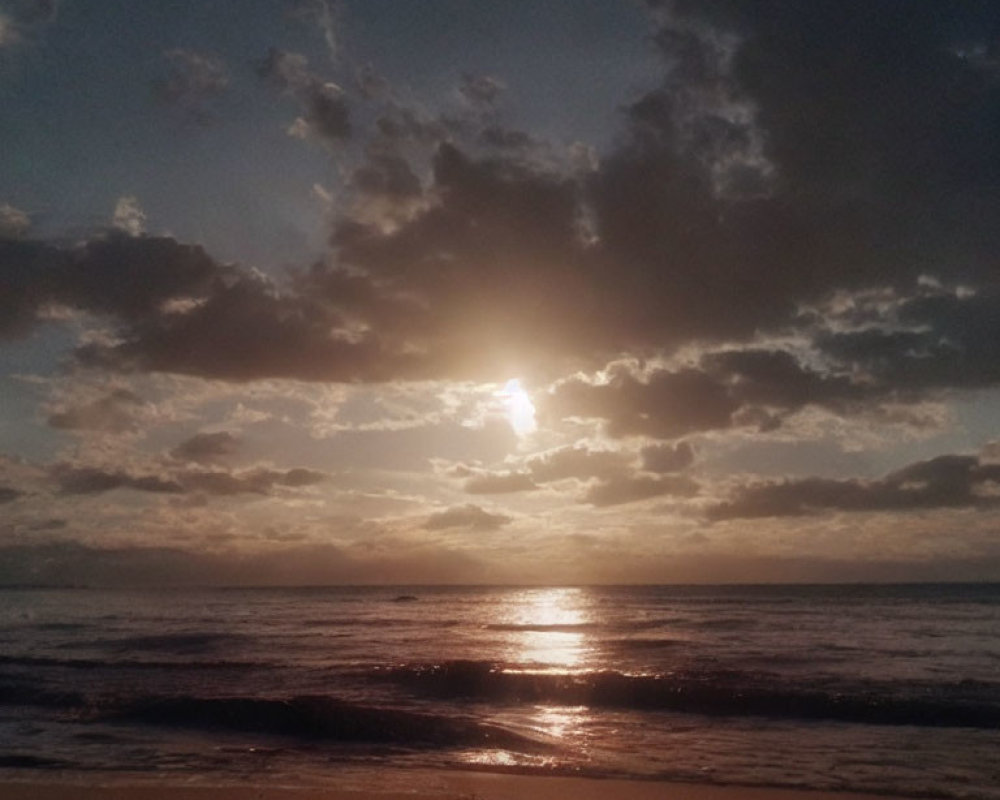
x=520, y=409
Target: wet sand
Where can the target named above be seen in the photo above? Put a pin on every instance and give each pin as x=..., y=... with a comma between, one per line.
x=394, y=784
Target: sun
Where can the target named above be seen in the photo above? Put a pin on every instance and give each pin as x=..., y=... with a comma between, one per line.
x=520, y=409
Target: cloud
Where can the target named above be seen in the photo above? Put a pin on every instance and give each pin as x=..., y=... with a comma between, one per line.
x=247, y=329
x=207, y=447
x=113, y=413
x=324, y=16
x=715, y=223
x=325, y=109
x=128, y=216
x=94, y=480
x=387, y=192
x=467, y=516
x=85, y=480
x=8, y=495
x=938, y=339
x=577, y=462
x=500, y=483
x=258, y=481
x=950, y=481
x=194, y=81
x=128, y=278
x=20, y=20
x=665, y=404
x=481, y=90
x=667, y=458
x=633, y=489
x=14, y=223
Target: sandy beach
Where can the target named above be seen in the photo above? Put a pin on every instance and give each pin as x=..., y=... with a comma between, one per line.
x=393, y=784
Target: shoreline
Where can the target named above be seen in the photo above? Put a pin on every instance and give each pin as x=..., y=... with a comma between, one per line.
x=390, y=783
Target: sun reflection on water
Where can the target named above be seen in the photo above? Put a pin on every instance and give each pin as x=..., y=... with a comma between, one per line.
x=548, y=632
x=548, y=628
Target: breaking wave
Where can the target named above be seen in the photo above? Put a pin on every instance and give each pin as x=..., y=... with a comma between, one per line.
x=724, y=693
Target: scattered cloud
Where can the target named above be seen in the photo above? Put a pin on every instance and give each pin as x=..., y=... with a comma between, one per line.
x=115, y=412
x=577, y=462
x=467, y=516
x=203, y=447
x=640, y=487
x=84, y=480
x=481, y=90
x=950, y=481
x=8, y=495
x=193, y=82
x=325, y=110
x=129, y=217
x=14, y=223
x=500, y=483
x=21, y=20
x=787, y=243
x=667, y=458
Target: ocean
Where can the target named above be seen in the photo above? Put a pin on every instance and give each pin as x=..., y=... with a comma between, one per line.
x=884, y=689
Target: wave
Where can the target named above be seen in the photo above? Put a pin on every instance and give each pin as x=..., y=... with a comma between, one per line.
x=639, y=643
x=579, y=627
x=319, y=718
x=106, y=664
x=19, y=694
x=380, y=622
x=723, y=693
x=178, y=643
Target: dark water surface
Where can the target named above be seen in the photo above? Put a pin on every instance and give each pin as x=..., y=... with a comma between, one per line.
x=892, y=689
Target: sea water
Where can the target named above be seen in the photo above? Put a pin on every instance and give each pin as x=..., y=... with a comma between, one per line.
x=890, y=689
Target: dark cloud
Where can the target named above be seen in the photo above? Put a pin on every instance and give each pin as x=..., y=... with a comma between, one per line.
x=665, y=405
x=8, y=495
x=506, y=138
x=945, y=482
x=258, y=481
x=22, y=19
x=467, y=516
x=14, y=223
x=776, y=379
x=31, y=12
x=94, y=480
x=126, y=277
x=500, y=483
x=577, y=462
x=481, y=90
x=114, y=413
x=639, y=487
x=767, y=173
x=324, y=104
x=387, y=176
x=386, y=190
x=207, y=447
x=667, y=458
x=942, y=339
x=494, y=262
x=746, y=387
x=245, y=330
x=193, y=82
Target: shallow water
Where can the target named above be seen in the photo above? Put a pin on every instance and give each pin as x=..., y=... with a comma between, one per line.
x=874, y=688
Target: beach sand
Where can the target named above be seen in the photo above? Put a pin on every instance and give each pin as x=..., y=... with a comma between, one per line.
x=396, y=784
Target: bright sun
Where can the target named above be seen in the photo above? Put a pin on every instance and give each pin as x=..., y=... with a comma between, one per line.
x=520, y=409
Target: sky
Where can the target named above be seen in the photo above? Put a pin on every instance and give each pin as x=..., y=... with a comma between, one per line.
x=562, y=292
